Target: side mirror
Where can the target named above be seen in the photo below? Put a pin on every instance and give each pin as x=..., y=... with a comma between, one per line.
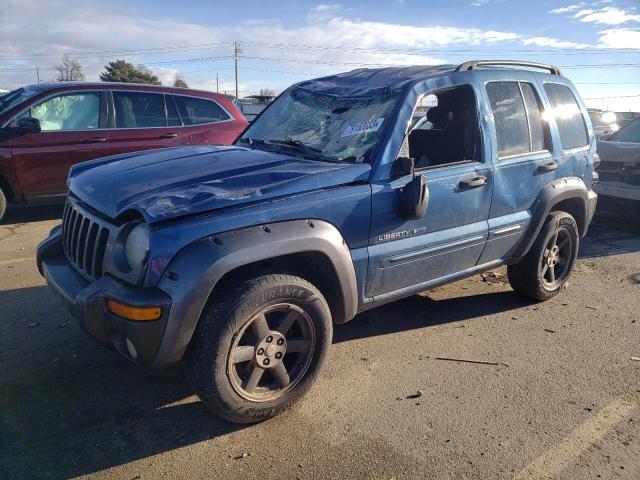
x=414, y=198
x=402, y=167
x=28, y=125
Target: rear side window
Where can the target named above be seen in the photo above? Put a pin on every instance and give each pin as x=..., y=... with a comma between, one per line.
x=518, y=118
x=534, y=114
x=139, y=110
x=565, y=110
x=195, y=111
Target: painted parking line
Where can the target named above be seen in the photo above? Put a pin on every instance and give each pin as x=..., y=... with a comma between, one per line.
x=557, y=458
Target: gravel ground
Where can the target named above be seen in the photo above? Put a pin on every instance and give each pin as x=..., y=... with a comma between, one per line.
x=563, y=401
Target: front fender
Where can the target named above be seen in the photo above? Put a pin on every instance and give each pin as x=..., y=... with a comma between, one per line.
x=193, y=274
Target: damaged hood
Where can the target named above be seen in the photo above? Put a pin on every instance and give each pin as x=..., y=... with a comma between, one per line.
x=171, y=182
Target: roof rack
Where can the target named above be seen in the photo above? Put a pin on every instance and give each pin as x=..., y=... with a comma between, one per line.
x=516, y=63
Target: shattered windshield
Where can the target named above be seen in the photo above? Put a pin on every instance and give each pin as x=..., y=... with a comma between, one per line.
x=326, y=127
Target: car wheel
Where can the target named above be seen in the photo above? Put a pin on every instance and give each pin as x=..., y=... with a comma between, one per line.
x=3, y=204
x=546, y=268
x=258, y=350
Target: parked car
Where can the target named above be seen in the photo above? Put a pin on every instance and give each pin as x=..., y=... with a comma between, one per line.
x=47, y=128
x=240, y=259
x=620, y=168
x=603, y=122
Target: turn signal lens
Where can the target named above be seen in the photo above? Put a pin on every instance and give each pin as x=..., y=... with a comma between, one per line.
x=134, y=313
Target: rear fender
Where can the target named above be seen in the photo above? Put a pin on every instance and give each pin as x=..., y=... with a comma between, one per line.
x=552, y=194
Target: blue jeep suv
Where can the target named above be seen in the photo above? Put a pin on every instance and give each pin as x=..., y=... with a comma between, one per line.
x=239, y=259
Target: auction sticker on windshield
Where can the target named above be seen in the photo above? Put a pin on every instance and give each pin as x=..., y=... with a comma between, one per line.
x=363, y=127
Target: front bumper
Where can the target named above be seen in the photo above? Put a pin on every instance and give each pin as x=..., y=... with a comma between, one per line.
x=87, y=303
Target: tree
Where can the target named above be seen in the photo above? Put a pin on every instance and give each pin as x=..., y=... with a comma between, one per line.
x=70, y=70
x=123, y=71
x=179, y=81
x=267, y=92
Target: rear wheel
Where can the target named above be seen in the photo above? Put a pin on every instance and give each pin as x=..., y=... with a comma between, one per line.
x=260, y=349
x=546, y=268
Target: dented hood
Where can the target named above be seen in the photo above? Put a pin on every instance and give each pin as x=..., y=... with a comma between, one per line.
x=171, y=182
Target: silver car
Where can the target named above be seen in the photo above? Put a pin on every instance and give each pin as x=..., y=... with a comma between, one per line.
x=620, y=167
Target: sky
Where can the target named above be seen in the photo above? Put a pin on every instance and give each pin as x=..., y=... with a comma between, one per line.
x=596, y=44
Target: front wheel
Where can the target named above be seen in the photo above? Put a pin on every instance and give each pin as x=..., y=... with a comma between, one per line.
x=260, y=349
x=546, y=268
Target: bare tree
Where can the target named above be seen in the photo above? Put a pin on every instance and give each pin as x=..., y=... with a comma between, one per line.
x=267, y=92
x=70, y=70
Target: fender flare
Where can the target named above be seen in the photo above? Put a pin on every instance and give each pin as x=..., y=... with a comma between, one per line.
x=569, y=188
x=194, y=272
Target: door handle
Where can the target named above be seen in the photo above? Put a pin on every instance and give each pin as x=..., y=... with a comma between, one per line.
x=169, y=135
x=95, y=140
x=548, y=167
x=474, y=182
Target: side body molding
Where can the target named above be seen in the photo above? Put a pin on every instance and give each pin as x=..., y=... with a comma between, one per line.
x=570, y=188
x=193, y=274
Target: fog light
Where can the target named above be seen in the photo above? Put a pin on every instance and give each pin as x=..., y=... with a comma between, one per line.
x=131, y=349
x=134, y=313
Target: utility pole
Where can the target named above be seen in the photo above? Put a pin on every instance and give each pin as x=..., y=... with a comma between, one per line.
x=236, y=54
x=217, y=84
x=38, y=73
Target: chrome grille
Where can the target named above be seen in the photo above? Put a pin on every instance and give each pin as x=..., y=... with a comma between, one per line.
x=84, y=240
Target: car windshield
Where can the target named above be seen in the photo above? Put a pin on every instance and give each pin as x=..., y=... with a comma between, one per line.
x=629, y=133
x=13, y=98
x=326, y=127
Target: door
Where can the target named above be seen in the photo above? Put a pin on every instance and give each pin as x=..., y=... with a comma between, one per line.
x=525, y=159
x=73, y=130
x=447, y=149
x=144, y=120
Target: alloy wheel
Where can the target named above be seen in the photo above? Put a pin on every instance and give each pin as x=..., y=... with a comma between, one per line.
x=271, y=353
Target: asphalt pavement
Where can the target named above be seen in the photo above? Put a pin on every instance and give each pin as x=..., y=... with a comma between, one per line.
x=558, y=396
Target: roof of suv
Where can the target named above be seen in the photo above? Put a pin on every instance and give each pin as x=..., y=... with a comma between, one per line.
x=42, y=87
x=372, y=81
x=368, y=82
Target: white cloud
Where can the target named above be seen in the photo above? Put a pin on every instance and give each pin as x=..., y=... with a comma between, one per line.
x=567, y=9
x=552, y=43
x=620, y=38
x=482, y=3
x=607, y=16
x=324, y=7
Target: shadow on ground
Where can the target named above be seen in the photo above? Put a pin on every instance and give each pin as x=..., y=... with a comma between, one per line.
x=32, y=214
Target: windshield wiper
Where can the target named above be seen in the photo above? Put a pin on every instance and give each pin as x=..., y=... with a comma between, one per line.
x=290, y=142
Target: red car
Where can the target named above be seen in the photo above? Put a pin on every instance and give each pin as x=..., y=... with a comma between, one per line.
x=46, y=128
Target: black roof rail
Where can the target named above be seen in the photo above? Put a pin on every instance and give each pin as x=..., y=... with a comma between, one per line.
x=515, y=63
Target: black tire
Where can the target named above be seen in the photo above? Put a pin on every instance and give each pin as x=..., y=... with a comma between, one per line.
x=3, y=204
x=232, y=316
x=529, y=277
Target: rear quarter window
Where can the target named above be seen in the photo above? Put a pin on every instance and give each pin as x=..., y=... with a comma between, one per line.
x=566, y=112
x=195, y=111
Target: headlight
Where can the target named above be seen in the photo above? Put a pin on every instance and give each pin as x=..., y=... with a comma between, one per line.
x=136, y=246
